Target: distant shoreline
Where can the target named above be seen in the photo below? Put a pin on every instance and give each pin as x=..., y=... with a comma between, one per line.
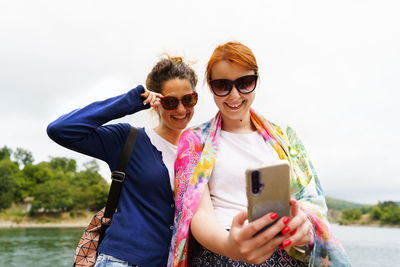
x=81, y=223
x=334, y=217
x=7, y=224
x=62, y=221
x=81, y=219
x=377, y=225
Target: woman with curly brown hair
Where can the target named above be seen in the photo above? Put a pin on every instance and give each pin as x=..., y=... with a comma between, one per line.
x=141, y=228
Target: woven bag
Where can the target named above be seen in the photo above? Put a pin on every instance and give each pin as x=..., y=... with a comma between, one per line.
x=86, y=252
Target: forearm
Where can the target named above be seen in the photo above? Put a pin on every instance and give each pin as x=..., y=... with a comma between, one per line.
x=206, y=228
x=77, y=124
x=208, y=232
x=81, y=130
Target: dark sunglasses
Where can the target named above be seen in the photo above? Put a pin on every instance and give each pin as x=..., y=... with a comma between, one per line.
x=172, y=102
x=245, y=85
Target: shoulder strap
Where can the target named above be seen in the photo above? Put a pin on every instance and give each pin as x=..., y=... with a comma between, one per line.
x=118, y=176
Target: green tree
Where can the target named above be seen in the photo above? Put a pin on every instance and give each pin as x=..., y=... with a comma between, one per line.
x=53, y=195
x=5, y=153
x=387, y=212
x=92, y=166
x=90, y=190
x=387, y=204
x=55, y=185
x=351, y=214
x=375, y=213
x=8, y=183
x=62, y=163
x=365, y=210
x=32, y=176
x=61, y=188
x=23, y=156
x=390, y=212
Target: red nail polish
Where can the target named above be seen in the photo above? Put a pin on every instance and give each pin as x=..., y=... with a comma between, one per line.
x=273, y=215
x=293, y=232
x=285, y=220
x=293, y=202
x=286, y=243
x=285, y=230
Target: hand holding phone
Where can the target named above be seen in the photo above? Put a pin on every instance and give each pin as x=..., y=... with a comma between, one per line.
x=267, y=188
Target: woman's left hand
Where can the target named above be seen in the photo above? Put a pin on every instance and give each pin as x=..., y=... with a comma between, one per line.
x=299, y=231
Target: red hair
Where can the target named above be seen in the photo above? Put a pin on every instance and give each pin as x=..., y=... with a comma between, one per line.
x=233, y=52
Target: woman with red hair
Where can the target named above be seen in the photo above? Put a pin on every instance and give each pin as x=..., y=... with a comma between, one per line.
x=210, y=193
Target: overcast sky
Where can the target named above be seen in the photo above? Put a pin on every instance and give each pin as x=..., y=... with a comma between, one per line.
x=330, y=69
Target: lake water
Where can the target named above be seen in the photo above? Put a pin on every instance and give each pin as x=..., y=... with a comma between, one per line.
x=366, y=246
x=38, y=246
x=370, y=246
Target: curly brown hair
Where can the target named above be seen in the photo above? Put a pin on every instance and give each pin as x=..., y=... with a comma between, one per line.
x=167, y=69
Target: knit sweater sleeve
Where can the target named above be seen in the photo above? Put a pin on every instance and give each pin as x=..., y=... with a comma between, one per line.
x=83, y=129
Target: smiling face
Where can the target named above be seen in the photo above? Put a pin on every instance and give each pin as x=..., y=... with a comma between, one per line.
x=178, y=118
x=234, y=107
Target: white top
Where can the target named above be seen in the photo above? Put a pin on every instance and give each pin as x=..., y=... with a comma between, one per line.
x=236, y=153
x=168, y=152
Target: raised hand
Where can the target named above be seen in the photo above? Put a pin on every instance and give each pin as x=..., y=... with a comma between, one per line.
x=152, y=98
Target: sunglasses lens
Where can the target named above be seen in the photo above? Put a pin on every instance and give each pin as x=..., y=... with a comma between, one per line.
x=189, y=100
x=221, y=87
x=169, y=102
x=246, y=84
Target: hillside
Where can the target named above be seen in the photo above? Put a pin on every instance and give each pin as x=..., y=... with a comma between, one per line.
x=338, y=204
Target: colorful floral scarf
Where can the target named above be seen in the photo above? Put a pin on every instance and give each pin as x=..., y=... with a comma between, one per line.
x=197, y=151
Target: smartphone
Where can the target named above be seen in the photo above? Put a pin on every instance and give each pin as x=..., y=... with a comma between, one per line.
x=268, y=189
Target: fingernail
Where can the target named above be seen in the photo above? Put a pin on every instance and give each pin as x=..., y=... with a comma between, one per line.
x=285, y=230
x=293, y=202
x=273, y=215
x=293, y=232
x=286, y=243
x=285, y=220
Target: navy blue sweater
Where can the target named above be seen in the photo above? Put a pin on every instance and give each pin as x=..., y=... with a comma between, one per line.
x=141, y=228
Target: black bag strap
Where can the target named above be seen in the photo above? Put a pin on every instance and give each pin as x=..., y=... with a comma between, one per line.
x=118, y=176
